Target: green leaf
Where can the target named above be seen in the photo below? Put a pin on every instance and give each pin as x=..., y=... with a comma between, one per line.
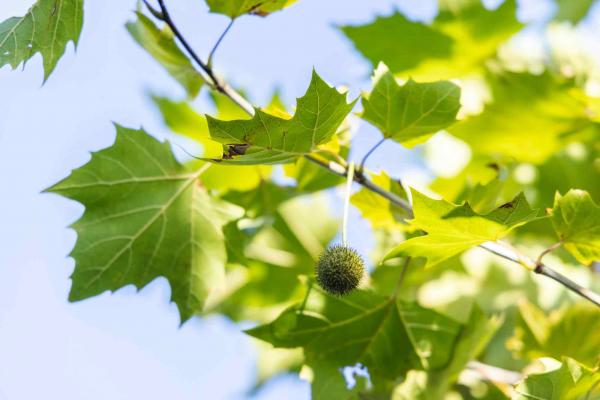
x=572, y=10
x=269, y=139
x=235, y=8
x=576, y=220
x=47, y=28
x=388, y=336
x=328, y=382
x=568, y=380
x=540, y=335
x=556, y=113
x=411, y=113
x=434, y=384
x=452, y=229
x=145, y=216
x=455, y=44
x=380, y=212
x=284, y=242
x=160, y=44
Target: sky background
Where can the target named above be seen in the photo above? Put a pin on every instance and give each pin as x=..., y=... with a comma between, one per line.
x=129, y=345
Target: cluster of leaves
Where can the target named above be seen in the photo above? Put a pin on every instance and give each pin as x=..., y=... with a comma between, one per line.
x=232, y=237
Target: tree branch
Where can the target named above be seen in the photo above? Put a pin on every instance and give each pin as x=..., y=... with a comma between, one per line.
x=497, y=248
x=213, y=80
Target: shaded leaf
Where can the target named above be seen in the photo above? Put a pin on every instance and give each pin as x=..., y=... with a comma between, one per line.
x=269, y=139
x=160, y=44
x=411, y=113
x=388, y=336
x=576, y=220
x=47, y=28
x=146, y=216
x=452, y=229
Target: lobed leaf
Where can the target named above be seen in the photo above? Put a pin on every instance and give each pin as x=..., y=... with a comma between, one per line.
x=388, y=336
x=411, y=113
x=452, y=229
x=146, y=216
x=270, y=139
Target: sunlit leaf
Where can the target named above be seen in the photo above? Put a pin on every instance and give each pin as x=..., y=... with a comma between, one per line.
x=235, y=8
x=411, y=113
x=452, y=229
x=269, y=139
x=557, y=113
x=456, y=43
x=576, y=220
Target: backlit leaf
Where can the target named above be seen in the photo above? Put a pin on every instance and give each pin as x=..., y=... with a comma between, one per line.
x=410, y=113
x=269, y=139
x=576, y=220
x=452, y=229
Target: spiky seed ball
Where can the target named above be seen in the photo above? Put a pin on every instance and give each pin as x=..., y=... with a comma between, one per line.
x=339, y=270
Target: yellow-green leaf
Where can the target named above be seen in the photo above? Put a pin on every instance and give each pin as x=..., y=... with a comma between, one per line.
x=576, y=220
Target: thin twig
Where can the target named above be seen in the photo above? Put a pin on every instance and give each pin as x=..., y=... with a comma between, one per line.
x=216, y=46
x=364, y=160
x=212, y=78
x=359, y=176
x=548, y=250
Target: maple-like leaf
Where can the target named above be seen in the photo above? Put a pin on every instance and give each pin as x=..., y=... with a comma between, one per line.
x=47, y=28
x=270, y=139
x=411, y=113
x=452, y=229
x=386, y=335
x=146, y=216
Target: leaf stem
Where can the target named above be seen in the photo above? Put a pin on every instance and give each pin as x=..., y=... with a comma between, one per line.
x=548, y=250
x=364, y=160
x=216, y=46
x=347, y=203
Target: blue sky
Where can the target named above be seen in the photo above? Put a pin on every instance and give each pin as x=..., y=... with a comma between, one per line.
x=129, y=345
